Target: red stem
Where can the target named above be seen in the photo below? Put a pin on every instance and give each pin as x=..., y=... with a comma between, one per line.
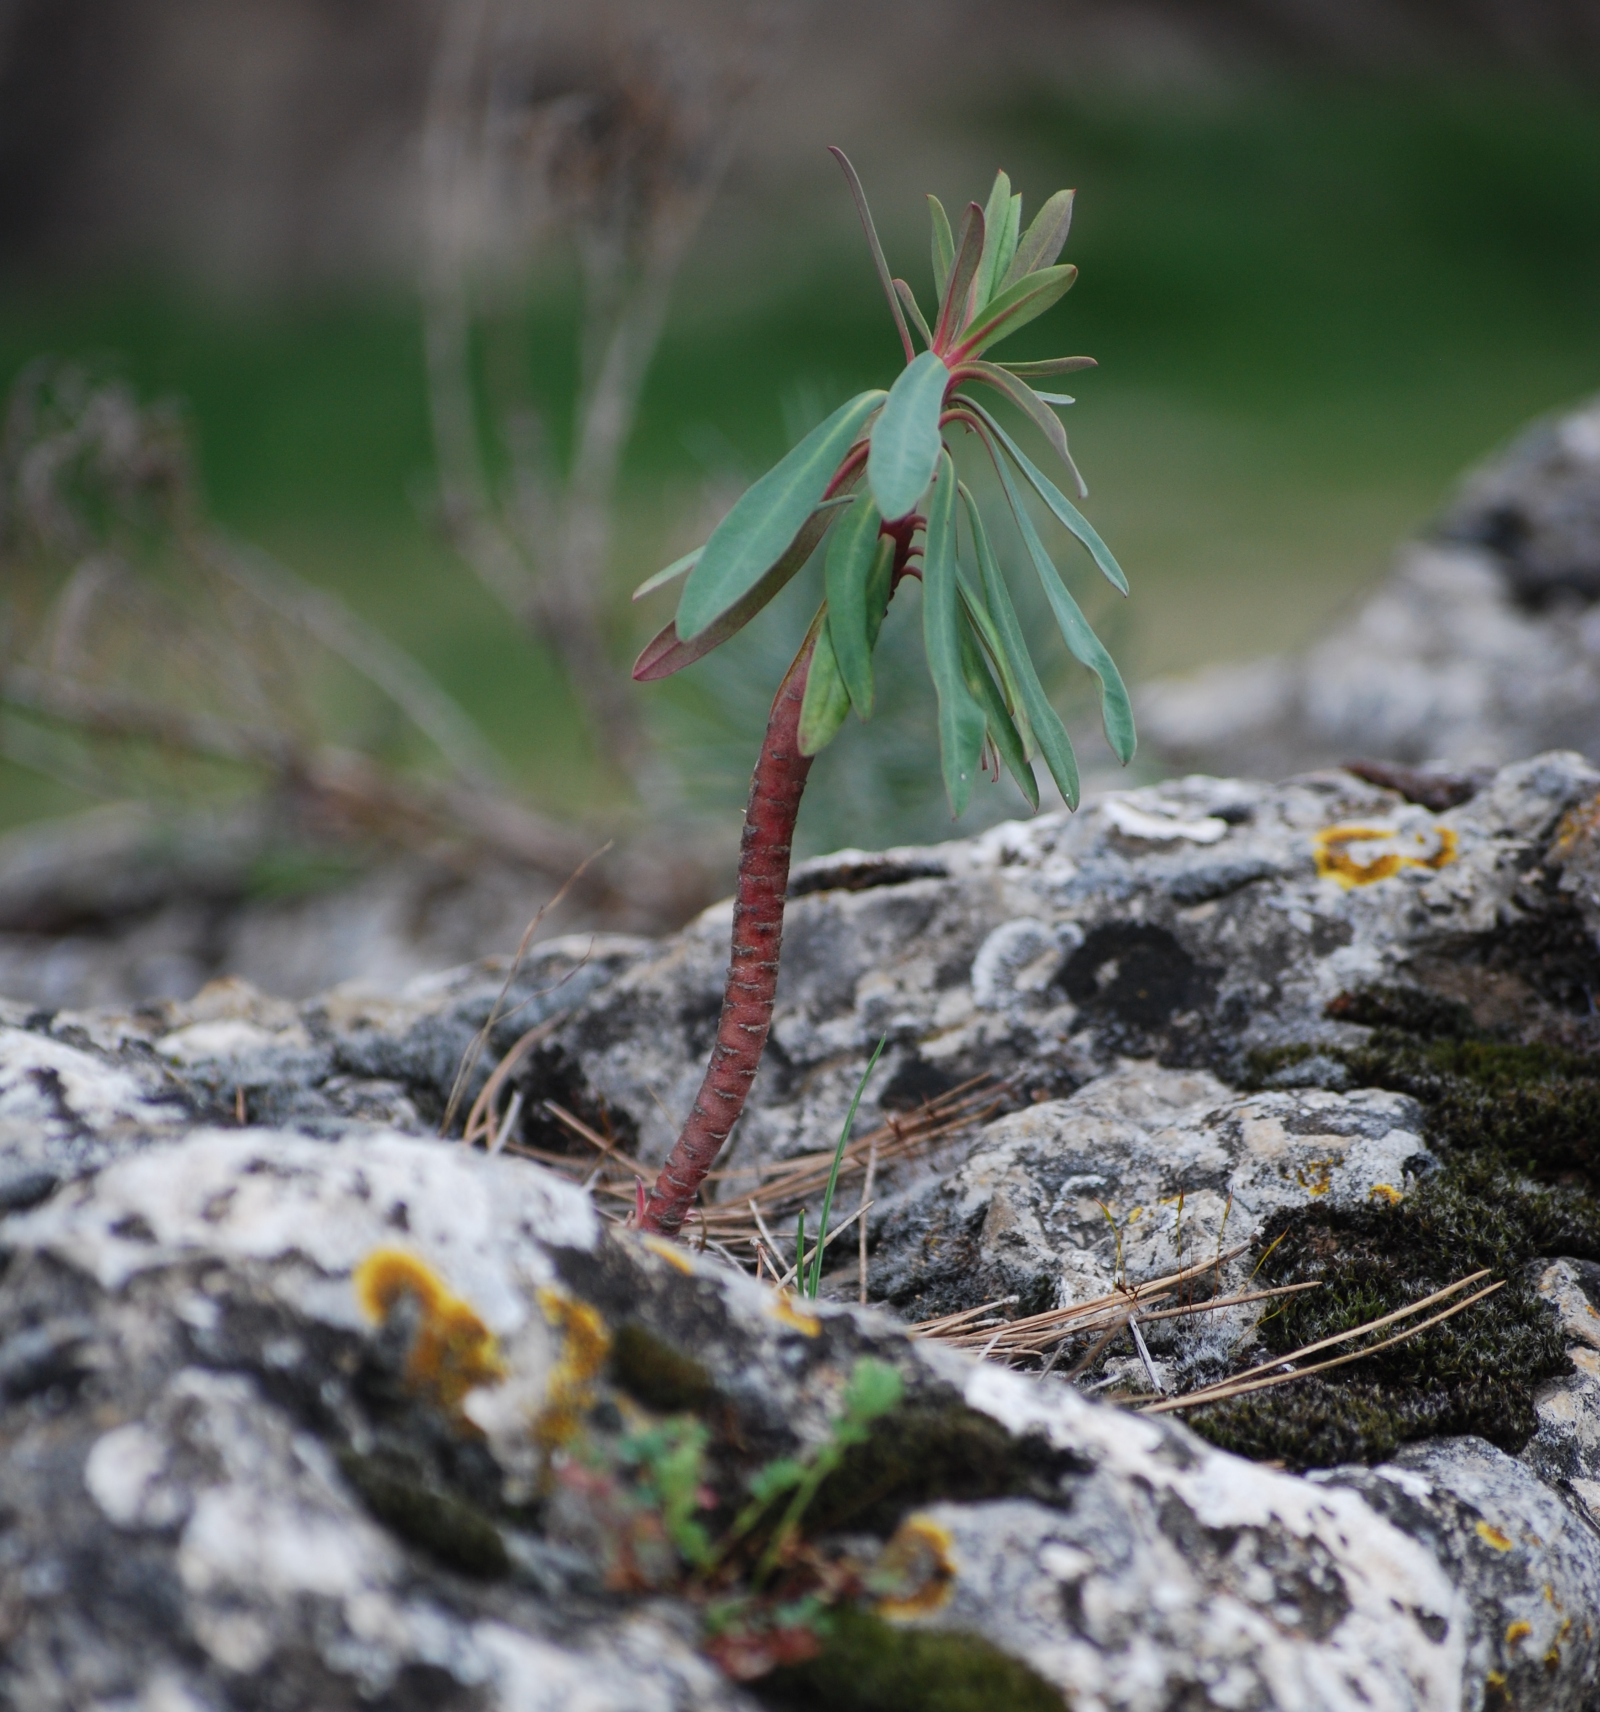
x=775, y=791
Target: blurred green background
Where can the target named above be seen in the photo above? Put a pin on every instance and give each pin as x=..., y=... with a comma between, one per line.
x=1314, y=299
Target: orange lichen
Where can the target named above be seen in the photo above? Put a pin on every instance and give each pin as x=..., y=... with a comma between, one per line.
x=570, y=1390
x=916, y=1570
x=452, y=1350
x=669, y=1252
x=1359, y=855
x=781, y=1307
x=1491, y=1536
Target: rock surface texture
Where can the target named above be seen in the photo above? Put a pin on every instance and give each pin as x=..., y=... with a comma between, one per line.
x=1482, y=645
x=305, y=1407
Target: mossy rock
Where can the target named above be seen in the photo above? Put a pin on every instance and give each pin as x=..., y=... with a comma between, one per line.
x=867, y=1665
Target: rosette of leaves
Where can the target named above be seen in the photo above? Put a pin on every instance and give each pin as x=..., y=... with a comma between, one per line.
x=878, y=481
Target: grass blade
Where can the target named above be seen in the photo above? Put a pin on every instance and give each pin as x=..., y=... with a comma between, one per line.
x=833, y=1175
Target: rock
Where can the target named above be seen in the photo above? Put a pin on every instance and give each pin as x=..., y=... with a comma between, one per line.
x=1483, y=644
x=229, y=1482
x=301, y=1405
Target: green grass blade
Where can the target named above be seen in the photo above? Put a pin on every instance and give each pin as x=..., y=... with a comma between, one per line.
x=996, y=217
x=838, y=1159
x=1015, y=307
x=1019, y=393
x=944, y=247
x=756, y=535
x=1049, y=734
x=905, y=438
x=1002, y=732
x=1066, y=513
x=963, y=270
x=961, y=721
x=854, y=614
x=914, y=309
x=878, y=259
x=826, y=701
x=1041, y=243
x=1116, y=712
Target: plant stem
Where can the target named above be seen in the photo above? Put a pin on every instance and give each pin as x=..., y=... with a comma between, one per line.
x=769, y=820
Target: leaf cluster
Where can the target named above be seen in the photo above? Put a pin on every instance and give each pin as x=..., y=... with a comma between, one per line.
x=878, y=480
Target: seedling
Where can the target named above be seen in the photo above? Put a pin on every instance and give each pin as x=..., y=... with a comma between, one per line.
x=879, y=474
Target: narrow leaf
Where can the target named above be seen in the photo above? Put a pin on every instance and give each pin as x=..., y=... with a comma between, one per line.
x=994, y=648
x=944, y=246
x=909, y=298
x=1041, y=243
x=662, y=578
x=1008, y=245
x=756, y=534
x=1048, y=366
x=1116, y=712
x=1015, y=307
x=872, y=240
x=1066, y=513
x=826, y=701
x=961, y=721
x=1002, y=733
x=963, y=270
x=1059, y=399
x=996, y=216
x=854, y=612
x=905, y=438
x=1048, y=732
x=1033, y=407
x=667, y=652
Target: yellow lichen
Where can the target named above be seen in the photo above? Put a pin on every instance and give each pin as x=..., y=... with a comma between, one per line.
x=1316, y=1175
x=1491, y=1536
x=669, y=1252
x=780, y=1305
x=1518, y=1631
x=570, y=1391
x=1386, y=1192
x=1359, y=855
x=452, y=1350
x=918, y=1568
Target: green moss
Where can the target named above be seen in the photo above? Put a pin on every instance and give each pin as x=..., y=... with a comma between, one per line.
x=455, y=1532
x=657, y=1373
x=867, y=1665
x=1517, y=1128
x=930, y=1449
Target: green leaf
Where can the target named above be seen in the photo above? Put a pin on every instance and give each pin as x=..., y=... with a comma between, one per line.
x=857, y=581
x=961, y=721
x=826, y=701
x=996, y=217
x=1066, y=513
x=878, y=261
x=909, y=298
x=1116, y=712
x=1033, y=407
x=756, y=535
x=905, y=438
x=1042, y=242
x=1002, y=733
x=1060, y=400
x=963, y=270
x=994, y=649
x=775, y=1478
x=944, y=246
x=874, y=1388
x=1015, y=307
x=1008, y=246
x=1048, y=366
x=662, y=578
x=1054, y=745
x=667, y=653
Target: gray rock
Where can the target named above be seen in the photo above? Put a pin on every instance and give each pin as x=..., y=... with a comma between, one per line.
x=1483, y=644
x=187, y=1525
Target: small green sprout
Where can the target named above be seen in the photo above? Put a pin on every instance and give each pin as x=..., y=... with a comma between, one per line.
x=813, y=1286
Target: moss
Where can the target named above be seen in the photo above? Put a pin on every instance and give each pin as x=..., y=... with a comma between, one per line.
x=1410, y=1009
x=867, y=1665
x=448, y=1529
x=928, y=1449
x=657, y=1373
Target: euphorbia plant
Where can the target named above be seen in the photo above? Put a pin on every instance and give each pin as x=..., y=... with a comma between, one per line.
x=878, y=473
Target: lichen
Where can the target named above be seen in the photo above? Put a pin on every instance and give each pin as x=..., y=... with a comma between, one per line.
x=451, y=1350
x=1360, y=855
x=570, y=1389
